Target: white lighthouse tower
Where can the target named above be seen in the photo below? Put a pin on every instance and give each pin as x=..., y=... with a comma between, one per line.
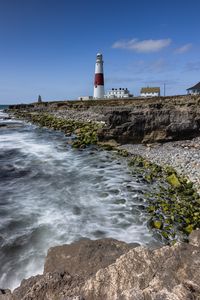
x=99, y=79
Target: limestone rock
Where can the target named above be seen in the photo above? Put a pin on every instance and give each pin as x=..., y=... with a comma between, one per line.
x=171, y=273
x=132, y=120
x=85, y=257
x=151, y=122
x=5, y=294
x=68, y=266
x=107, y=269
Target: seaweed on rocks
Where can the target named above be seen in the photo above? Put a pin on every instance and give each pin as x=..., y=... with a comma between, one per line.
x=85, y=132
x=173, y=206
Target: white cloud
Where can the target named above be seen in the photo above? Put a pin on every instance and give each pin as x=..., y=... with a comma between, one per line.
x=144, y=46
x=183, y=49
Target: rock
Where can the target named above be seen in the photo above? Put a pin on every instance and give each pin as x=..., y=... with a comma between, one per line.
x=85, y=257
x=150, y=122
x=5, y=294
x=194, y=238
x=130, y=120
x=173, y=180
x=68, y=266
x=165, y=273
x=157, y=224
x=107, y=269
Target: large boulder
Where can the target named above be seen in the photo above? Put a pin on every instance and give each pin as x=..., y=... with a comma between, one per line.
x=107, y=269
x=85, y=257
x=67, y=267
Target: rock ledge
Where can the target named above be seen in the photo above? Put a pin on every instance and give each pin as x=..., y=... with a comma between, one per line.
x=108, y=269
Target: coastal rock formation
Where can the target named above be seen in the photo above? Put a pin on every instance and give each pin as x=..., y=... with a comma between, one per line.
x=107, y=269
x=154, y=122
x=5, y=294
x=74, y=258
x=170, y=273
x=130, y=121
x=67, y=267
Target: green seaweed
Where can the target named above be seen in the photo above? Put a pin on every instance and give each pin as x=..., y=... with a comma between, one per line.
x=86, y=132
x=174, y=207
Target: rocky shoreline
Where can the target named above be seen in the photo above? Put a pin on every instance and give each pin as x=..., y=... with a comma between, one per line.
x=183, y=156
x=109, y=269
x=104, y=266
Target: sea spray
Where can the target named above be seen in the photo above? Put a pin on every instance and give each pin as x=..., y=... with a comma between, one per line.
x=51, y=194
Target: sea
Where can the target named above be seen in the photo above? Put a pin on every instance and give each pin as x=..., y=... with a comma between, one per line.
x=51, y=194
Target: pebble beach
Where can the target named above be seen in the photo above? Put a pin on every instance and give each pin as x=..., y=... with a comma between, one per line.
x=183, y=156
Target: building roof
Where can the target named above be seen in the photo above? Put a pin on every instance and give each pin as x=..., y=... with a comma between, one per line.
x=195, y=87
x=150, y=90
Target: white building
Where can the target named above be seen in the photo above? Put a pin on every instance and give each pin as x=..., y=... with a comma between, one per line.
x=194, y=90
x=85, y=98
x=150, y=92
x=118, y=93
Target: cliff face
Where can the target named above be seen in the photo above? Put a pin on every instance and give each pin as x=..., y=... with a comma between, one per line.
x=108, y=269
x=154, y=122
x=132, y=121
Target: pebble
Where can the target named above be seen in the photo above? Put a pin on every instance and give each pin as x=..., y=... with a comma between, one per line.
x=183, y=156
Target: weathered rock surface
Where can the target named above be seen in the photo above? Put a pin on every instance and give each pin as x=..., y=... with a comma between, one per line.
x=67, y=267
x=5, y=294
x=133, y=120
x=74, y=258
x=154, y=122
x=166, y=273
x=108, y=269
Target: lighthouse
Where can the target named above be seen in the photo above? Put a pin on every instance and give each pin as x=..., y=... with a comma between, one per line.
x=99, y=80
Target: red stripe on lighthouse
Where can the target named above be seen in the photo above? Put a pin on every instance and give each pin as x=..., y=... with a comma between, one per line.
x=98, y=80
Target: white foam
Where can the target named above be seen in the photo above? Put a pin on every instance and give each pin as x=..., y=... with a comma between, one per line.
x=65, y=194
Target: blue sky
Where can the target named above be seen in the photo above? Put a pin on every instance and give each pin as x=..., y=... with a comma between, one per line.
x=49, y=47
